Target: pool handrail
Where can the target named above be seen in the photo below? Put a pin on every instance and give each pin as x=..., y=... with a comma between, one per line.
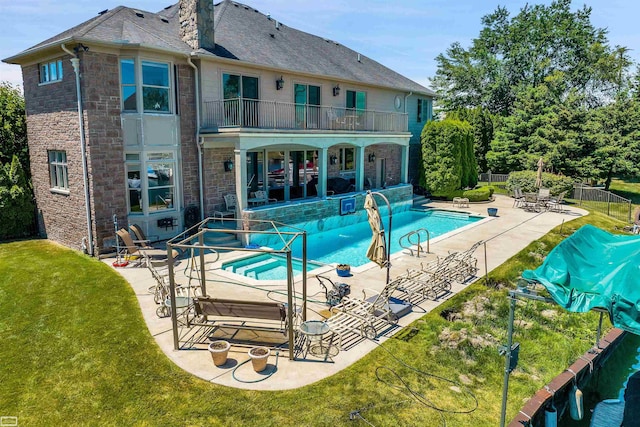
x=418, y=244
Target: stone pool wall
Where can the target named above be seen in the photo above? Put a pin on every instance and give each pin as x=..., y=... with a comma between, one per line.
x=320, y=209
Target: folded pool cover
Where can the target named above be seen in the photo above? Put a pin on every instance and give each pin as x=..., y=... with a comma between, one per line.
x=593, y=268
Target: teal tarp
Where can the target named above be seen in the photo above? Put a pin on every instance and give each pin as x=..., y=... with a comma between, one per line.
x=595, y=269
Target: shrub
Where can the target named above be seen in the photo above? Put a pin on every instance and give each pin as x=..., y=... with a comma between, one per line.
x=16, y=201
x=526, y=180
x=447, y=156
x=481, y=194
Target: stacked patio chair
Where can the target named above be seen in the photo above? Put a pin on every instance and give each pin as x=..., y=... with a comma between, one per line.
x=465, y=264
x=518, y=197
x=363, y=317
x=429, y=282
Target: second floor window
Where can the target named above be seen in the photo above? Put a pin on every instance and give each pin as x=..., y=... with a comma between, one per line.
x=51, y=71
x=155, y=85
x=356, y=100
x=58, y=173
x=425, y=110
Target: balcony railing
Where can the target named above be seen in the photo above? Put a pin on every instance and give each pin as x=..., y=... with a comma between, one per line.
x=252, y=113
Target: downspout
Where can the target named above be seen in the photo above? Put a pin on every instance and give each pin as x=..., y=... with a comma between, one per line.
x=198, y=143
x=405, y=104
x=75, y=62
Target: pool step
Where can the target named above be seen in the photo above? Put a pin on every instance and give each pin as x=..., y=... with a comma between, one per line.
x=261, y=267
x=243, y=266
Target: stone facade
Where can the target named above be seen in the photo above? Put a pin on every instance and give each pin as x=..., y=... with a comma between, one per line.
x=52, y=124
x=217, y=182
x=196, y=24
x=312, y=210
x=188, y=143
x=101, y=101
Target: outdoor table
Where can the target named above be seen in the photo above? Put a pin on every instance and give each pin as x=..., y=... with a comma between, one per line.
x=314, y=332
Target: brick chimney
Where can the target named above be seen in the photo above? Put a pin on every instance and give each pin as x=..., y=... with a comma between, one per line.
x=196, y=23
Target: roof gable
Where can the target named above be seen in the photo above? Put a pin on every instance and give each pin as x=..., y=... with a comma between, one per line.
x=241, y=33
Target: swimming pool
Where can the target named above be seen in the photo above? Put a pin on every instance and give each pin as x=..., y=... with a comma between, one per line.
x=329, y=241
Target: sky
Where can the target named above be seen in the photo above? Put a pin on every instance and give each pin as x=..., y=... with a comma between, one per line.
x=404, y=35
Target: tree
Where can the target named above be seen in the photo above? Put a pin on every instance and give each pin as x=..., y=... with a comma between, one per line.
x=13, y=127
x=482, y=123
x=613, y=137
x=16, y=201
x=447, y=154
x=512, y=55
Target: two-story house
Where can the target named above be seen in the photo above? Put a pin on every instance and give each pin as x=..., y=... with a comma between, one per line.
x=138, y=116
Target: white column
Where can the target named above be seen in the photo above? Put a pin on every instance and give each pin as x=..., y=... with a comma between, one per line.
x=404, y=166
x=322, y=172
x=359, y=168
x=240, y=169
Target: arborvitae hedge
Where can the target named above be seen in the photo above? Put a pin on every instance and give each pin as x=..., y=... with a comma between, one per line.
x=16, y=202
x=448, y=156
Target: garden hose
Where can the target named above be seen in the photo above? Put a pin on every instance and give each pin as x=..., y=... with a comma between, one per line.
x=233, y=373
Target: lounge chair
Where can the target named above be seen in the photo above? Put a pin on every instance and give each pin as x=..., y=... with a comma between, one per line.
x=429, y=282
x=140, y=237
x=161, y=290
x=361, y=316
x=231, y=203
x=140, y=253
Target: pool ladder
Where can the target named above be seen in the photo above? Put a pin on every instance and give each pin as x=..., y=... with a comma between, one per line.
x=406, y=241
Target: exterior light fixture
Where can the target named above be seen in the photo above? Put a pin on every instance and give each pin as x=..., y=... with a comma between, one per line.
x=279, y=83
x=333, y=159
x=372, y=157
x=336, y=90
x=228, y=165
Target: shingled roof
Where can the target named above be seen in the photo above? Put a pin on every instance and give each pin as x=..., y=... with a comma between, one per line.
x=241, y=33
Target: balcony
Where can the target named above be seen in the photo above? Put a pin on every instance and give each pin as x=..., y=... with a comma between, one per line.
x=252, y=113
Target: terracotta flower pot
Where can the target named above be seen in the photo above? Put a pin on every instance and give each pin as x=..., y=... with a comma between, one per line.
x=219, y=351
x=259, y=357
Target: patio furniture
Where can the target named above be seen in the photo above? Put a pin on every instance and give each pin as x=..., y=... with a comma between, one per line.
x=140, y=237
x=362, y=316
x=531, y=203
x=313, y=334
x=556, y=204
x=260, y=198
x=240, y=314
x=140, y=253
x=461, y=202
x=430, y=282
x=518, y=197
x=231, y=203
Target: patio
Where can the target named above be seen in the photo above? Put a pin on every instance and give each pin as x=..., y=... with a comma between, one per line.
x=505, y=235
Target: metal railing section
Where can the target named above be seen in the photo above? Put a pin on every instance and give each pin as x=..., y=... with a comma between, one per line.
x=254, y=113
x=418, y=235
x=602, y=201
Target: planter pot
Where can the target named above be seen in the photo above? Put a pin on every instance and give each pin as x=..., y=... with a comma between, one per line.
x=219, y=351
x=492, y=211
x=343, y=270
x=259, y=357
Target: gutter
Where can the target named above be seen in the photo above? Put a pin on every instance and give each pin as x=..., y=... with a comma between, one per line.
x=75, y=62
x=198, y=142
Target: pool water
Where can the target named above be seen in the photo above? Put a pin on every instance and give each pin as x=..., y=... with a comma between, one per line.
x=266, y=267
x=348, y=243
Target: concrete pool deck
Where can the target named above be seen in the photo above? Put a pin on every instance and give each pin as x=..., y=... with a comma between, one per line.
x=505, y=235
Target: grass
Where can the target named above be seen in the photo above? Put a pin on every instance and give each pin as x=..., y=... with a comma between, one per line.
x=629, y=189
x=500, y=187
x=76, y=351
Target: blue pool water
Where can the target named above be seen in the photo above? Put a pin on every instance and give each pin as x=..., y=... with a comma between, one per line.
x=328, y=241
x=266, y=267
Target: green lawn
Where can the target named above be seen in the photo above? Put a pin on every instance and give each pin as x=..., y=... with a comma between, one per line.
x=75, y=351
x=629, y=189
